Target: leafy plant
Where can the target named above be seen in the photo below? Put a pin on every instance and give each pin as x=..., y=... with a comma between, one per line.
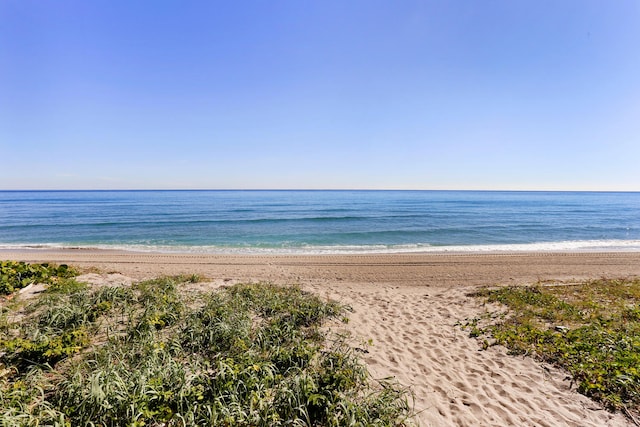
x=15, y=275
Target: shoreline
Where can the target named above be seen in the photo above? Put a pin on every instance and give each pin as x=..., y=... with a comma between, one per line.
x=581, y=246
x=406, y=311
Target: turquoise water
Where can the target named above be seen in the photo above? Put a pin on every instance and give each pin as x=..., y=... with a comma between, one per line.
x=320, y=221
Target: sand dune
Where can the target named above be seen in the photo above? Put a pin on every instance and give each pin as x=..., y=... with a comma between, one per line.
x=409, y=307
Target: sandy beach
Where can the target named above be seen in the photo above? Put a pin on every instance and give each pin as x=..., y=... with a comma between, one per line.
x=408, y=306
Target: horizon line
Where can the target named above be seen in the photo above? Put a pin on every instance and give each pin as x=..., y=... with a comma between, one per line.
x=319, y=189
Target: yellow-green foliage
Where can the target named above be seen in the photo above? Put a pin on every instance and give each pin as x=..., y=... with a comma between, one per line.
x=15, y=275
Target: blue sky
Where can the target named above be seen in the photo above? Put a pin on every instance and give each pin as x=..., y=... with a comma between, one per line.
x=517, y=95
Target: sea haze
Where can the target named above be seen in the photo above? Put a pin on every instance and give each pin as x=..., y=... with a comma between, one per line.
x=320, y=221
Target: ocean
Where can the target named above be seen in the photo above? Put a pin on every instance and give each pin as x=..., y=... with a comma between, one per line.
x=314, y=222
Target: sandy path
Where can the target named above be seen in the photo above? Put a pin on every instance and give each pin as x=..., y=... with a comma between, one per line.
x=416, y=340
x=408, y=305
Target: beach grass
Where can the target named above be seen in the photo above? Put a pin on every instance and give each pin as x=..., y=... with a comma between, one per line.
x=590, y=329
x=150, y=354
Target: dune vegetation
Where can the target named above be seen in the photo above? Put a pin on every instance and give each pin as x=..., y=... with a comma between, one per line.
x=150, y=354
x=591, y=329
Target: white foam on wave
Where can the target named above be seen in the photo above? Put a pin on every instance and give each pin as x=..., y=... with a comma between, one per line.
x=563, y=246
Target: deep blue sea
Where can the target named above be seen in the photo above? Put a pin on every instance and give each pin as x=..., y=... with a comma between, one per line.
x=320, y=221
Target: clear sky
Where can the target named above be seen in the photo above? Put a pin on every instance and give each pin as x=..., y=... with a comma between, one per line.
x=320, y=94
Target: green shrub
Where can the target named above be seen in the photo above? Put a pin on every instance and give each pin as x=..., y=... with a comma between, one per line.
x=15, y=275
